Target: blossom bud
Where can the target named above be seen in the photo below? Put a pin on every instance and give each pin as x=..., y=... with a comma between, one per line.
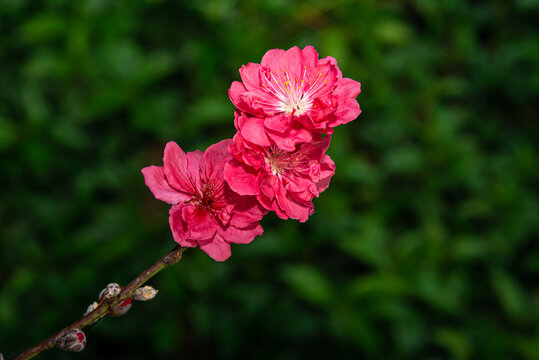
x=73, y=340
x=121, y=308
x=1, y=357
x=91, y=308
x=145, y=293
x=110, y=292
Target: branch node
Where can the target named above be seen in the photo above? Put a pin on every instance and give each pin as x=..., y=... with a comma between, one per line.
x=71, y=340
x=145, y=293
x=173, y=257
x=110, y=292
x=91, y=308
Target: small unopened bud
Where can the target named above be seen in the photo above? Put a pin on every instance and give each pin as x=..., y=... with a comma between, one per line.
x=110, y=292
x=1, y=357
x=73, y=340
x=121, y=308
x=145, y=293
x=91, y=308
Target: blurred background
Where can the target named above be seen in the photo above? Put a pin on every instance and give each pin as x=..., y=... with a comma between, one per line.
x=425, y=246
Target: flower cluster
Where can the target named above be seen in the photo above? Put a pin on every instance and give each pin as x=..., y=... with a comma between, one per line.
x=286, y=110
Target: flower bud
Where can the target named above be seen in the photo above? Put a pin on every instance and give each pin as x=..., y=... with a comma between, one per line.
x=73, y=340
x=91, y=308
x=1, y=357
x=121, y=308
x=145, y=293
x=110, y=292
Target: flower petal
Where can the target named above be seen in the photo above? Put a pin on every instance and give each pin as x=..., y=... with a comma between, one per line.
x=215, y=157
x=327, y=170
x=241, y=178
x=292, y=208
x=348, y=88
x=250, y=76
x=218, y=249
x=179, y=227
x=175, y=169
x=244, y=235
x=310, y=56
x=272, y=58
x=154, y=177
x=199, y=223
x=247, y=210
x=253, y=130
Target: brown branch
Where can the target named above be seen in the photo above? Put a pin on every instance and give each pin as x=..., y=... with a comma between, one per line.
x=172, y=257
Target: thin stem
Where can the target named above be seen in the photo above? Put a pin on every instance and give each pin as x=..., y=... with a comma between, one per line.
x=172, y=257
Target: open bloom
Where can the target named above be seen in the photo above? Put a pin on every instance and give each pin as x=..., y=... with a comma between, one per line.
x=282, y=181
x=295, y=94
x=205, y=211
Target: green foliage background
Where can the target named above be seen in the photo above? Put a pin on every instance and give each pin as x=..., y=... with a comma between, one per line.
x=424, y=247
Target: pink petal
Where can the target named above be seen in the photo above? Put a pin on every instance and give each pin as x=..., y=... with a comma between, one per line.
x=288, y=140
x=215, y=157
x=292, y=208
x=321, y=79
x=268, y=185
x=179, y=227
x=301, y=189
x=292, y=62
x=250, y=76
x=348, y=88
x=194, y=162
x=311, y=57
x=246, y=152
x=327, y=170
x=272, y=58
x=218, y=249
x=154, y=178
x=260, y=101
x=279, y=123
x=247, y=210
x=199, y=223
x=175, y=167
x=244, y=235
x=241, y=178
x=331, y=60
x=253, y=130
x=347, y=112
x=235, y=93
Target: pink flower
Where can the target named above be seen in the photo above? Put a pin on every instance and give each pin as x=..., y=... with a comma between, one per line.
x=282, y=181
x=295, y=93
x=205, y=211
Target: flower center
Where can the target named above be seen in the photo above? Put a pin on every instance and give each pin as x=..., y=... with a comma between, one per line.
x=209, y=196
x=296, y=106
x=280, y=162
x=295, y=94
